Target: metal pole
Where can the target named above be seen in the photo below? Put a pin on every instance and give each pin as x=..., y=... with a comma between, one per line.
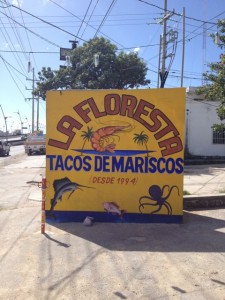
x=21, y=123
x=43, y=186
x=160, y=45
x=33, y=103
x=183, y=49
x=6, y=130
x=163, y=70
x=28, y=125
x=37, y=113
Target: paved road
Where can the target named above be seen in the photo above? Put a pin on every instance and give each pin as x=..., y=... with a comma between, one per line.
x=105, y=261
x=16, y=150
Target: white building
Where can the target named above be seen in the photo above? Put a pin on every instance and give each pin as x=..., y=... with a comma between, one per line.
x=199, y=136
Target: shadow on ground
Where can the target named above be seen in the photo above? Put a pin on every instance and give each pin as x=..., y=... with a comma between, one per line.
x=197, y=234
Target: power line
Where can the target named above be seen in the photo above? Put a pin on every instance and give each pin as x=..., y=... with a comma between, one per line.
x=29, y=52
x=84, y=18
x=190, y=18
x=96, y=15
x=46, y=40
x=26, y=34
x=105, y=16
x=90, y=17
x=57, y=27
x=16, y=32
x=84, y=21
x=11, y=46
x=13, y=78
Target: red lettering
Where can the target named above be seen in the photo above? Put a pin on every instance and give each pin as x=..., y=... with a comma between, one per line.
x=109, y=108
x=141, y=111
x=95, y=109
x=157, y=124
x=144, y=112
x=83, y=113
x=67, y=130
x=103, y=180
x=128, y=105
x=172, y=145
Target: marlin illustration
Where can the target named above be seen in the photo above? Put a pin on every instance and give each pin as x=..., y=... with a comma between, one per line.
x=62, y=186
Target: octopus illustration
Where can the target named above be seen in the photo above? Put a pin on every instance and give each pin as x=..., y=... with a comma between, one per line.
x=157, y=199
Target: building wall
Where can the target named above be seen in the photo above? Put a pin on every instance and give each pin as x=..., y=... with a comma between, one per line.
x=200, y=116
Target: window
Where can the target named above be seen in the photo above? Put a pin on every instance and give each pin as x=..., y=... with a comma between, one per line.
x=219, y=137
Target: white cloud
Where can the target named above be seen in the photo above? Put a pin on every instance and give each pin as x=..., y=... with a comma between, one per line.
x=136, y=50
x=18, y=3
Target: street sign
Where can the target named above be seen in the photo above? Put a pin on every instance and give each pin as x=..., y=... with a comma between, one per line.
x=65, y=52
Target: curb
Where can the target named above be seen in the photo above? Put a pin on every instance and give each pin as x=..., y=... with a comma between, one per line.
x=204, y=201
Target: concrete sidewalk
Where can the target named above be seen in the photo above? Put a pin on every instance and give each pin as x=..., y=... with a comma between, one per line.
x=204, y=179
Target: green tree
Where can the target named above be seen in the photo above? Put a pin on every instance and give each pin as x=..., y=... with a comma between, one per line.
x=141, y=139
x=115, y=70
x=214, y=89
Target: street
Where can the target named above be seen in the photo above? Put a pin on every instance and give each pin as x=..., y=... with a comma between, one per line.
x=104, y=261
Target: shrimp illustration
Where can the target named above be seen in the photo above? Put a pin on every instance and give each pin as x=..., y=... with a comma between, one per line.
x=102, y=139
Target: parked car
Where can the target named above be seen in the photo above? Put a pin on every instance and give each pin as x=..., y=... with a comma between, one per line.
x=35, y=144
x=24, y=137
x=4, y=148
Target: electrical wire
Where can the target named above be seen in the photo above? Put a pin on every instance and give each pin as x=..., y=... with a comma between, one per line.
x=88, y=21
x=13, y=78
x=168, y=11
x=30, y=52
x=84, y=18
x=41, y=37
x=11, y=46
x=5, y=61
x=15, y=31
x=27, y=36
x=44, y=21
x=85, y=22
x=105, y=16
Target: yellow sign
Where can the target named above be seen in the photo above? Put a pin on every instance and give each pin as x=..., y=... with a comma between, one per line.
x=115, y=155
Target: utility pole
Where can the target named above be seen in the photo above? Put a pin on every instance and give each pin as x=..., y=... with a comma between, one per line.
x=32, y=128
x=37, y=113
x=160, y=46
x=172, y=38
x=21, y=123
x=183, y=49
x=5, y=119
x=163, y=74
x=28, y=124
x=29, y=69
x=33, y=112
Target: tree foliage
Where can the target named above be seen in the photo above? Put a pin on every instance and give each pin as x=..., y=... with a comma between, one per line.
x=215, y=78
x=215, y=87
x=116, y=70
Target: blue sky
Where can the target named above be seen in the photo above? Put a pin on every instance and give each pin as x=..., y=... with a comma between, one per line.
x=132, y=25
